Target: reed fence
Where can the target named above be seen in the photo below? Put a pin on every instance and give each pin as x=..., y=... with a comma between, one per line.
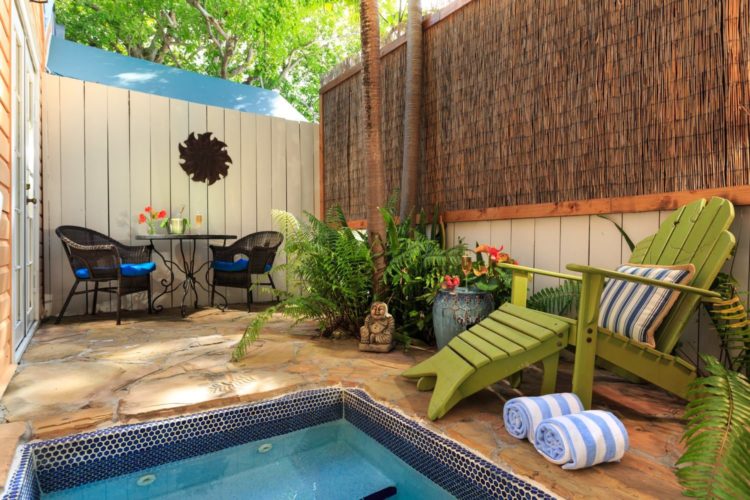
x=557, y=101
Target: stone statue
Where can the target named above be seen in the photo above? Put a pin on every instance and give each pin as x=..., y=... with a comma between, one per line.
x=377, y=333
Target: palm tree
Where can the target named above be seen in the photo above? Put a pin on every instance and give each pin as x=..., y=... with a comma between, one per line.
x=412, y=109
x=375, y=173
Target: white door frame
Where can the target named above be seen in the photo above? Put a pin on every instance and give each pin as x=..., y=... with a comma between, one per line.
x=21, y=35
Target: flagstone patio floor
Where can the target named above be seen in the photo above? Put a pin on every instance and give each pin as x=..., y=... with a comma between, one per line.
x=87, y=373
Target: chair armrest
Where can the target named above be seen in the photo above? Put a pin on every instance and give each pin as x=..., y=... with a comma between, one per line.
x=640, y=279
x=100, y=260
x=532, y=270
x=520, y=281
x=227, y=253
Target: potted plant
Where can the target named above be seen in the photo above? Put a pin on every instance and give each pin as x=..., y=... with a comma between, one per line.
x=486, y=286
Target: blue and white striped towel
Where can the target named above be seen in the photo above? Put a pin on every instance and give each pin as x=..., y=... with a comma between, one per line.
x=523, y=415
x=582, y=440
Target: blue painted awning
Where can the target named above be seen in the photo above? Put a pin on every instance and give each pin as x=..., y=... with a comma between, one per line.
x=90, y=64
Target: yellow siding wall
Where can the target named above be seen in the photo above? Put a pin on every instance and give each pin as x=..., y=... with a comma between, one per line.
x=6, y=347
x=35, y=16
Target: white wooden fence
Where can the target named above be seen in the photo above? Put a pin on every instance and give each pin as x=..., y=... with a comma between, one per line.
x=109, y=152
x=553, y=242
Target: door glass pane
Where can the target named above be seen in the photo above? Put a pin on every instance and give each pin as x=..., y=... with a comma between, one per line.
x=17, y=216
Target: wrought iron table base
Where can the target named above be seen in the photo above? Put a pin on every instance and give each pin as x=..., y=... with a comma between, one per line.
x=189, y=285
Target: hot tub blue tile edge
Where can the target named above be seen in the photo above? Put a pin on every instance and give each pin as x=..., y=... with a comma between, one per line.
x=445, y=462
x=70, y=461
x=22, y=482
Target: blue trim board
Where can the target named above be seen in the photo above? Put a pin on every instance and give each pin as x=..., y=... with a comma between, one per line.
x=81, y=62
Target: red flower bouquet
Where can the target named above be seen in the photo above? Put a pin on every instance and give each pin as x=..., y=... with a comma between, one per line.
x=150, y=217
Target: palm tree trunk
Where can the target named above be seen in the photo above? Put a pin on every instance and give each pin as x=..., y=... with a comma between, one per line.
x=375, y=173
x=412, y=110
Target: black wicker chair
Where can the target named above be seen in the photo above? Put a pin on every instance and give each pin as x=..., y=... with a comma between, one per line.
x=257, y=251
x=97, y=258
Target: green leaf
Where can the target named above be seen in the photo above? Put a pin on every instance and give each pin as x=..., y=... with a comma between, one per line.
x=489, y=286
x=625, y=235
x=558, y=300
x=716, y=462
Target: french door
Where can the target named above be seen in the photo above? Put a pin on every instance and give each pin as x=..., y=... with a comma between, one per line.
x=25, y=186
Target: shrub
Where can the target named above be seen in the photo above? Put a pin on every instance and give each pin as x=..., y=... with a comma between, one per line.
x=329, y=267
x=415, y=265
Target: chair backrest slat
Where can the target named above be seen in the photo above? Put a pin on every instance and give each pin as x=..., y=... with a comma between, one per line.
x=696, y=233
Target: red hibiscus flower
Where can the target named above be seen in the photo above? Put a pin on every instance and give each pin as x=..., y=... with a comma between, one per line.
x=141, y=219
x=162, y=214
x=148, y=208
x=494, y=253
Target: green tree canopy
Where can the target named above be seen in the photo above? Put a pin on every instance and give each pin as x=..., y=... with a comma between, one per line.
x=285, y=45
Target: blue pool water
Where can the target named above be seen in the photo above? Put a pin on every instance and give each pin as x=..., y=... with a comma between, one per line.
x=328, y=461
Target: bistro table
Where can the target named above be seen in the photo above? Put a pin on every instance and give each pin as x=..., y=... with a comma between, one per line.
x=186, y=267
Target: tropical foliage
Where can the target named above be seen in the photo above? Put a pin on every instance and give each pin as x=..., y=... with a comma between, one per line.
x=329, y=269
x=560, y=300
x=276, y=44
x=415, y=265
x=329, y=266
x=285, y=45
x=716, y=462
x=730, y=318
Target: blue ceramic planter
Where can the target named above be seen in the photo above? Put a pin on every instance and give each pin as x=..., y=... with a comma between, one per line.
x=453, y=312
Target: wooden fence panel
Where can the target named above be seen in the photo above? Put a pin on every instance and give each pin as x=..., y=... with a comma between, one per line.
x=307, y=134
x=110, y=152
x=54, y=261
x=249, y=198
x=72, y=167
x=95, y=153
x=279, y=184
x=547, y=250
x=544, y=102
x=179, y=182
x=233, y=187
x=197, y=114
x=160, y=176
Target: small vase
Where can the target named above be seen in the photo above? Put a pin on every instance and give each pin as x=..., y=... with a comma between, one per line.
x=150, y=229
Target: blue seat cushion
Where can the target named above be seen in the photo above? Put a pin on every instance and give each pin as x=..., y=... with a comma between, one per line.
x=236, y=266
x=141, y=269
x=128, y=270
x=231, y=267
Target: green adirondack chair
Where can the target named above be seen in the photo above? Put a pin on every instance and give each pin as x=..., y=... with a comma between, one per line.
x=514, y=337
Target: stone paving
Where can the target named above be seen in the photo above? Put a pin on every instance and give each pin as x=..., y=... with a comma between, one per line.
x=87, y=373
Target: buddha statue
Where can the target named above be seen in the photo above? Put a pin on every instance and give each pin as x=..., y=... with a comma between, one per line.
x=376, y=335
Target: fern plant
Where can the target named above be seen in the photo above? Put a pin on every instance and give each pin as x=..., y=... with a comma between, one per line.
x=415, y=265
x=329, y=266
x=731, y=321
x=560, y=300
x=716, y=462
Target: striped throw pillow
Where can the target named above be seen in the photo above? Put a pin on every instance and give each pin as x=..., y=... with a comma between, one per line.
x=636, y=310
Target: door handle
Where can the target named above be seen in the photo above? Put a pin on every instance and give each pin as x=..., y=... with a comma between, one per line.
x=31, y=200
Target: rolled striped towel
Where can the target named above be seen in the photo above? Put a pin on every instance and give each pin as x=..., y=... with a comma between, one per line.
x=582, y=440
x=523, y=415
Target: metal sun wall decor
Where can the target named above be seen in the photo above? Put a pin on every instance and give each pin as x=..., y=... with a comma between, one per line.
x=204, y=158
